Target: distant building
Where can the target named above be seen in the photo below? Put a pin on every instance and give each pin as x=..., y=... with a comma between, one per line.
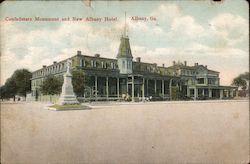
x=111, y=78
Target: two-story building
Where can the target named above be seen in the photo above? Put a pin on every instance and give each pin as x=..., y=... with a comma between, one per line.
x=201, y=82
x=109, y=79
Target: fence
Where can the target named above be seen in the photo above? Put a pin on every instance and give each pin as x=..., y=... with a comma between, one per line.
x=48, y=98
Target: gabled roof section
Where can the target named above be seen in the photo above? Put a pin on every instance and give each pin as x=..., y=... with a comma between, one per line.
x=182, y=66
x=124, y=49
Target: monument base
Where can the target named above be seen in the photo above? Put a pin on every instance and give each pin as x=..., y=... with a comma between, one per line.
x=67, y=100
x=57, y=107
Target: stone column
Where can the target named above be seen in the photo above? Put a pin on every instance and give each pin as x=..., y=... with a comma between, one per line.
x=133, y=88
x=162, y=89
x=107, y=87
x=155, y=87
x=118, y=87
x=143, y=89
x=221, y=93
x=96, y=87
x=210, y=93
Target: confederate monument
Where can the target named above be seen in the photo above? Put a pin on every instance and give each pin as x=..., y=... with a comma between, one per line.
x=67, y=95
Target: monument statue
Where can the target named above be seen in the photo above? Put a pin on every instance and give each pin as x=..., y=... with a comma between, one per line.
x=67, y=95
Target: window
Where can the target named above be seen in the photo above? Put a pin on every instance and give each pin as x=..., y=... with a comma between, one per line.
x=123, y=64
x=211, y=81
x=112, y=65
x=82, y=63
x=200, y=81
x=93, y=63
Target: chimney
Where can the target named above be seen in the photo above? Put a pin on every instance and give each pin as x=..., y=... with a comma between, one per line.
x=44, y=66
x=163, y=65
x=97, y=55
x=54, y=62
x=79, y=52
x=138, y=59
x=205, y=66
x=195, y=64
x=173, y=62
x=185, y=63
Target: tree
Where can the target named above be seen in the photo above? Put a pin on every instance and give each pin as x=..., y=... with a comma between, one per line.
x=79, y=81
x=22, y=79
x=3, y=92
x=52, y=85
x=241, y=80
x=10, y=88
x=19, y=83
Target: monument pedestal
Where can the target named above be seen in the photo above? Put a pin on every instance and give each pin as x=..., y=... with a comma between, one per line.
x=67, y=96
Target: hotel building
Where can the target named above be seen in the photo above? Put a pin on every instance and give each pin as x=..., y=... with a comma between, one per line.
x=111, y=79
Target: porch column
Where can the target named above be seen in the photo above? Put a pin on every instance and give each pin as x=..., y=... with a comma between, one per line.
x=203, y=92
x=155, y=87
x=221, y=93
x=107, y=87
x=236, y=93
x=227, y=94
x=232, y=93
x=147, y=88
x=143, y=89
x=195, y=93
x=96, y=87
x=118, y=87
x=210, y=93
x=127, y=85
x=188, y=92
x=133, y=88
x=162, y=89
x=170, y=89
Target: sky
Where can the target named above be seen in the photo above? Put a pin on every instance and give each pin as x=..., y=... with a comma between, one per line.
x=210, y=33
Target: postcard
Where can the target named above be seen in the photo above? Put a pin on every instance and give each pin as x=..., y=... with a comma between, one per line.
x=124, y=81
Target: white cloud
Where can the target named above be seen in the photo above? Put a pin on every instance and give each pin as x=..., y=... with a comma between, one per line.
x=175, y=36
x=224, y=60
x=167, y=12
x=185, y=26
x=232, y=28
x=42, y=46
x=176, y=24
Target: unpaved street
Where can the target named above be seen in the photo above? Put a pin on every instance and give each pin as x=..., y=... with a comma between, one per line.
x=164, y=132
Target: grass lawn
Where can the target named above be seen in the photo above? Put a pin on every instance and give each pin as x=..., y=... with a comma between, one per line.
x=62, y=107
